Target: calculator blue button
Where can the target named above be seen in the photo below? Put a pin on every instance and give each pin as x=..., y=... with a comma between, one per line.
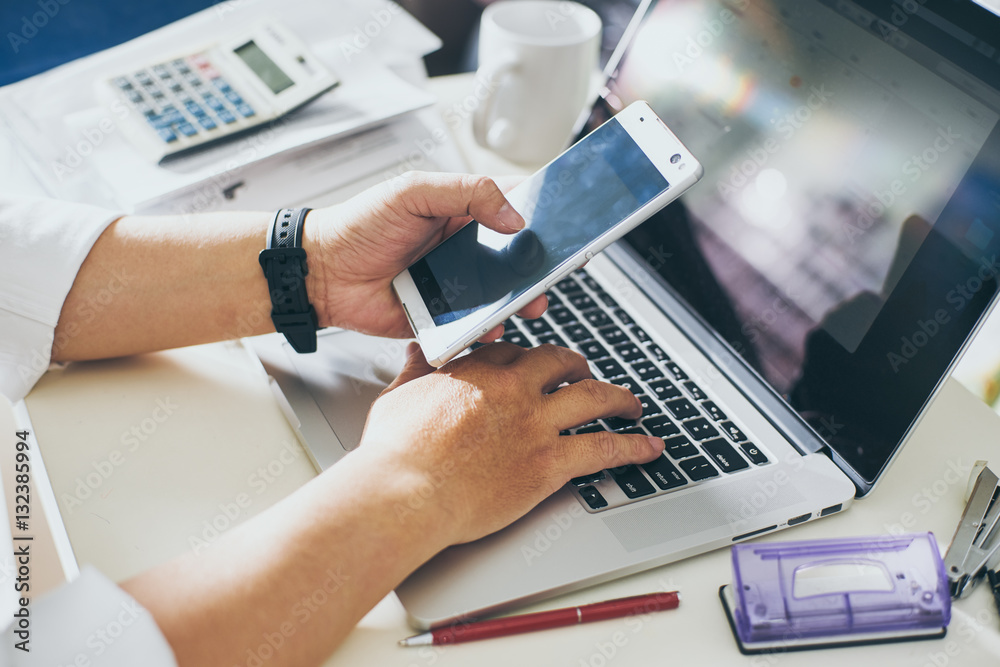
x=207, y=123
x=194, y=109
x=173, y=118
x=135, y=96
x=123, y=83
x=234, y=97
x=245, y=110
x=166, y=134
x=226, y=116
x=214, y=102
x=221, y=84
x=187, y=129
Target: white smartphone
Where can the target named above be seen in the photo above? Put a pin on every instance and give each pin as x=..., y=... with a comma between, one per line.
x=590, y=196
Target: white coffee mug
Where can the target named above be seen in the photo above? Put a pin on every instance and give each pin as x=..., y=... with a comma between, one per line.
x=537, y=60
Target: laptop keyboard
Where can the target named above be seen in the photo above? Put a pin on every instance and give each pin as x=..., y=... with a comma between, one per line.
x=701, y=441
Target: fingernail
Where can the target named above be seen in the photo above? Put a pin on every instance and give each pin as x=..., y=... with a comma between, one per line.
x=657, y=444
x=510, y=218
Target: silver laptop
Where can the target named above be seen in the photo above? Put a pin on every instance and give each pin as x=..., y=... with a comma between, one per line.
x=786, y=323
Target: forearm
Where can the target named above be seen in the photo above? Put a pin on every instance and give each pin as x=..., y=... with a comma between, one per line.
x=153, y=283
x=303, y=573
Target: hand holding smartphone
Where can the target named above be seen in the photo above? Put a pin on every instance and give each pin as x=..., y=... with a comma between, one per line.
x=591, y=195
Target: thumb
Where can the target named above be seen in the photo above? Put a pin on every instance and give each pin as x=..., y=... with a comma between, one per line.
x=416, y=366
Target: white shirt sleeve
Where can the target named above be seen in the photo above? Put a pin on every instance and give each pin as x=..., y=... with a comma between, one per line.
x=90, y=621
x=42, y=245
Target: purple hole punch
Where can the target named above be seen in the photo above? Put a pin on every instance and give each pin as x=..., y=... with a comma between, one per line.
x=789, y=596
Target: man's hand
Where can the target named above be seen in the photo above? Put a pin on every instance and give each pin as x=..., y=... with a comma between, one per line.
x=483, y=432
x=358, y=247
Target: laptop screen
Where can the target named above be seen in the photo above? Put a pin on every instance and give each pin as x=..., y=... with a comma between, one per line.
x=846, y=236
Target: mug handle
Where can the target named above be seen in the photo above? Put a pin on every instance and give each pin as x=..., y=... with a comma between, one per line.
x=481, y=115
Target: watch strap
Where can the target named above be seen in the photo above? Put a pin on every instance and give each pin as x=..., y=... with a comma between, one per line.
x=284, y=264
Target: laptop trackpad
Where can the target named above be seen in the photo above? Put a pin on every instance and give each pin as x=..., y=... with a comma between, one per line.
x=345, y=376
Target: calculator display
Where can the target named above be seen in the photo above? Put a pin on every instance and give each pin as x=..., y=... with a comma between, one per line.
x=264, y=67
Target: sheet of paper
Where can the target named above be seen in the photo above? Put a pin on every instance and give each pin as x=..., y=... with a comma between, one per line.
x=75, y=150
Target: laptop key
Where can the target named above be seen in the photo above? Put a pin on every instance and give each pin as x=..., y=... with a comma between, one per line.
x=632, y=481
x=554, y=299
x=679, y=447
x=700, y=429
x=630, y=352
x=682, y=409
x=597, y=318
x=733, y=431
x=552, y=339
x=695, y=391
x=640, y=334
x=676, y=371
x=620, y=424
x=577, y=333
x=698, y=468
x=517, y=338
x=713, y=410
x=584, y=480
x=665, y=390
x=593, y=350
x=588, y=280
x=508, y=325
x=624, y=317
x=755, y=455
x=607, y=299
x=649, y=406
x=592, y=428
x=568, y=286
x=664, y=473
x=629, y=383
x=657, y=352
x=647, y=370
x=609, y=368
x=613, y=335
x=561, y=315
x=582, y=302
x=661, y=427
x=724, y=455
x=537, y=327
x=593, y=498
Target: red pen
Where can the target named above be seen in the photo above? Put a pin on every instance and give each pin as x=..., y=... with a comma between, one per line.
x=543, y=620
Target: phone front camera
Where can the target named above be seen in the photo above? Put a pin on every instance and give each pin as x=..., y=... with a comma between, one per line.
x=641, y=119
x=675, y=158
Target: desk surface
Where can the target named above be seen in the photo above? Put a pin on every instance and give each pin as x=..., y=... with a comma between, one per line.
x=187, y=431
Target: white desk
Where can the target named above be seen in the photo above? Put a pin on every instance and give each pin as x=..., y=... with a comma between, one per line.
x=195, y=428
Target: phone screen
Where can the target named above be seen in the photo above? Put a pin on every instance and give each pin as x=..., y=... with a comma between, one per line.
x=572, y=201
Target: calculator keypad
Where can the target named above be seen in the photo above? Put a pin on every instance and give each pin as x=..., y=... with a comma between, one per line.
x=186, y=97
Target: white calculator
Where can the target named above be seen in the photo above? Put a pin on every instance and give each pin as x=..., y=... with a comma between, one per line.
x=190, y=101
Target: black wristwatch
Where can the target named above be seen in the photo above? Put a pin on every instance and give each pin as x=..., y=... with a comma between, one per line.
x=284, y=264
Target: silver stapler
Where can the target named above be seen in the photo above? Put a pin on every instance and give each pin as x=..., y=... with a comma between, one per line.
x=975, y=548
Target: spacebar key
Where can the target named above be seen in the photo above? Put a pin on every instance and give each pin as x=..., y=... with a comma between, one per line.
x=632, y=482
